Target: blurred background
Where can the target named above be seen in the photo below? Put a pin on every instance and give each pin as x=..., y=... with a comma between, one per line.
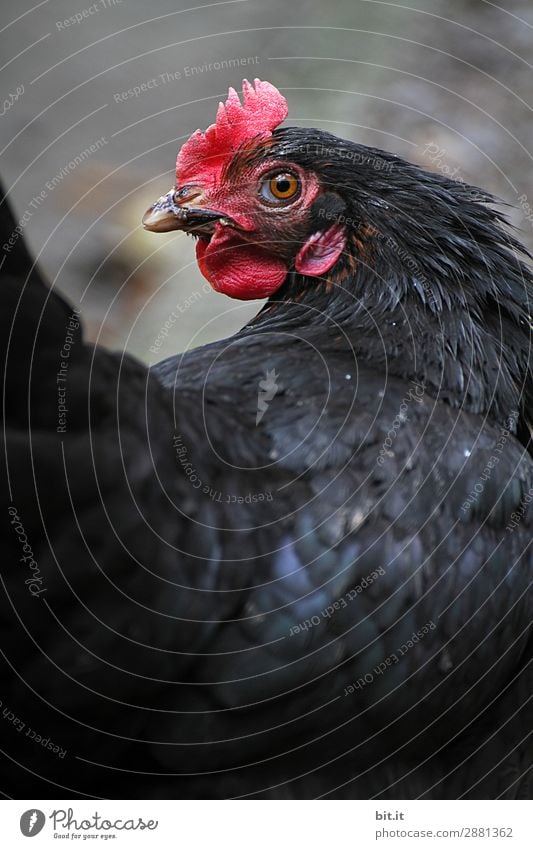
x=98, y=97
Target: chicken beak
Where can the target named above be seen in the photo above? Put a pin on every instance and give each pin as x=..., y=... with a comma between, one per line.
x=169, y=213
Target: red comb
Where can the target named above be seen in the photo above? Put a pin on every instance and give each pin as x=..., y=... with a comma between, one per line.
x=204, y=154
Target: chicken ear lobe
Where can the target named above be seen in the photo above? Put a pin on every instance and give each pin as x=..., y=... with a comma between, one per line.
x=321, y=251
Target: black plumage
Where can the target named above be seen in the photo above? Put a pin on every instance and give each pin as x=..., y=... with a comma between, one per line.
x=334, y=601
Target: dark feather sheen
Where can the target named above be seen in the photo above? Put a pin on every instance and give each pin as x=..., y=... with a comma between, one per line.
x=169, y=656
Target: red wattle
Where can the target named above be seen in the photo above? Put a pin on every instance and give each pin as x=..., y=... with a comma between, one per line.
x=237, y=268
x=321, y=251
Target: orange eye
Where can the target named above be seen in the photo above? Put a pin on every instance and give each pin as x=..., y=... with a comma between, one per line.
x=280, y=187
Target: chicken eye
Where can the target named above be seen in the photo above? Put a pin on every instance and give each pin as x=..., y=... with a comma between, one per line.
x=279, y=187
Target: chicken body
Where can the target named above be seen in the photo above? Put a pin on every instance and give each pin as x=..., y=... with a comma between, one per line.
x=295, y=563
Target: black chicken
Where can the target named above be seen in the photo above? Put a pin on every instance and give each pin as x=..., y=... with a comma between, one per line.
x=296, y=562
